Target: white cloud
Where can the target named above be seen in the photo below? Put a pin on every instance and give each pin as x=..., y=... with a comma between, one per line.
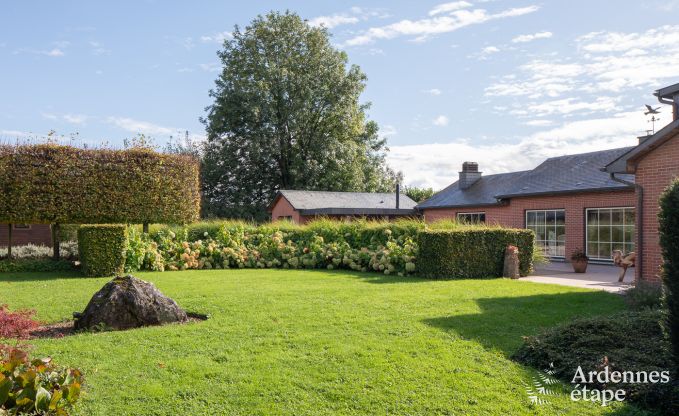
x=539, y=123
x=437, y=24
x=440, y=121
x=449, y=7
x=137, y=126
x=218, y=37
x=388, y=130
x=333, y=20
x=603, y=62
x=568, y=106
x=68, y=118
x=53, y=52
x=433, y=91
x=437, y=164
x=529, y=38
x=210, y=67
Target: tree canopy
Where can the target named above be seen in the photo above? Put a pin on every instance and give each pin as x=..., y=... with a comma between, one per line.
x=286, y=115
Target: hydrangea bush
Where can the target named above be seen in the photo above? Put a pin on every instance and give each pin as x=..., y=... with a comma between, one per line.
x=388, y=248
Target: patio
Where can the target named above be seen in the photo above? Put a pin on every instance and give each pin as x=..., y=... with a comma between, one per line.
x=598, y=276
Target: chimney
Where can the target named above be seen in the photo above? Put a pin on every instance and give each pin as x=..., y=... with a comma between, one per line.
x=643, y=138
x=469, y=175
x=398, y=195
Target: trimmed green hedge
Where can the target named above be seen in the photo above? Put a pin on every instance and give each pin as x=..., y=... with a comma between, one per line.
x=472, y=253
x=51, y=184
x=102, y=249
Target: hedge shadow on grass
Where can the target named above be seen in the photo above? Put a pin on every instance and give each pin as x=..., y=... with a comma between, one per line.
x=40, y=276
x=500, y=319
x=379, y=278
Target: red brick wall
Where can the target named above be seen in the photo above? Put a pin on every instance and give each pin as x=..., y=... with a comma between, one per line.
x=39, y=234
x=654, y=173
x=514, y=214
x=283, y=208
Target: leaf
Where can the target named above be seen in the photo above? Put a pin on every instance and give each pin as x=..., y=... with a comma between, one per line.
x=54, y=403
x=5, y=387
x=42, y=399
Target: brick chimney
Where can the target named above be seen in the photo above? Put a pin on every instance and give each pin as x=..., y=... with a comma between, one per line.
x=469, y=175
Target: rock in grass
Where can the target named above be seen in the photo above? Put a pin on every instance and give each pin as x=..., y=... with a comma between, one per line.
x=127, y=302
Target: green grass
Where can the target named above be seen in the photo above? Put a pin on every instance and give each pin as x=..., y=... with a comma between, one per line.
x=314, y=343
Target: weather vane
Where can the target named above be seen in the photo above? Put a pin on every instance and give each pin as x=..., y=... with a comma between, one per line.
x=653, y=112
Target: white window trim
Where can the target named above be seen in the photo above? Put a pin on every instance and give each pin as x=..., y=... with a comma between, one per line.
x=525, y=224
x=587, y=234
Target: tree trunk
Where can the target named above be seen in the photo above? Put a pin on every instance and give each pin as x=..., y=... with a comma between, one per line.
x=145, y=228
x=55, y=242
x=9, y=241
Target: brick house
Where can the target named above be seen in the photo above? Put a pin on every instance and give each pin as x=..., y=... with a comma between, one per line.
x=568, y=201
x=22, y=234
x=655, y=164
x=302, y=206
x=599, y=201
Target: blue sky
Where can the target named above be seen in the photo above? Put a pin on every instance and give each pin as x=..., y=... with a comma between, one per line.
x=503, y=83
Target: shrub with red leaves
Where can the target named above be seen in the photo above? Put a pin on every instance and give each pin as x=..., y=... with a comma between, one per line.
x=17, y=324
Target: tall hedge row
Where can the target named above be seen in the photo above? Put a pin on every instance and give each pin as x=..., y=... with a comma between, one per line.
x=102, y=249
x=61, y=184
x=669, y=243
x=472, y=253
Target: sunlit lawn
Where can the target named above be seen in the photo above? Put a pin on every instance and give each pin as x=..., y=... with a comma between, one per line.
x=314, y=343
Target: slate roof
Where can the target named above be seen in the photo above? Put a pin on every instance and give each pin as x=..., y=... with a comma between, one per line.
x=563, y=174
x=346, y=203
x=482, y=193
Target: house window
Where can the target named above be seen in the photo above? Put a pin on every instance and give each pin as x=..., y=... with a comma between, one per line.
x=471, y=217
x=609, y=229
x=21, y=226
x=550, y=230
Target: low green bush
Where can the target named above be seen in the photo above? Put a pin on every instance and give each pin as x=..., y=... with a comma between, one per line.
x=630, y=341
x=36, y=387
x=68, y=251
x=472, y=252
x=645, y=295
x=102, y=249
x=35, y=265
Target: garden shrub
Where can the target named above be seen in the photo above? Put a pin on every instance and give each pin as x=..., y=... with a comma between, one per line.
x=50, y=183
x=630, y=341
x=473, y=252
x=35, y=387
x=16, y=324
x=669, y=244
x=69, y=251
x=644, y=295
x=381, y=246
x=102, y=249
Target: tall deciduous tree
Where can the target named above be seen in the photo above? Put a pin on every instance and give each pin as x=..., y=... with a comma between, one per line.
x=286, y=115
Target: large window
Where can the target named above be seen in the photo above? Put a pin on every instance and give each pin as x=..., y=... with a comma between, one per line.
x=609, y=229
x=550, y=230
x=471, y=217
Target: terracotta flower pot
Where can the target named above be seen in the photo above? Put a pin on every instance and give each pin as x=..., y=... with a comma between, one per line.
x=579, y=266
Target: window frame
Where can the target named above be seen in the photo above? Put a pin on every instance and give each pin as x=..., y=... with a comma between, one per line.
x=545, y=211
x=21, y=227
x=633, y=242
x=478, y=213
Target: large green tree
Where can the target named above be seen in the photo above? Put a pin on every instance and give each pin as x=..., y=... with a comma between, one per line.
x=287, y=115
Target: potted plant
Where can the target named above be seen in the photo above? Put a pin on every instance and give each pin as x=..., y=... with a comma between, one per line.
x=579, y=260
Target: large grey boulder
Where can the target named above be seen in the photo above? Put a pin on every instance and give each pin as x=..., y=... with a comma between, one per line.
x=127, y=302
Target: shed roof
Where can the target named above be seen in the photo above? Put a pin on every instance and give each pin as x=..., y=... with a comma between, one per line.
x=346, y=203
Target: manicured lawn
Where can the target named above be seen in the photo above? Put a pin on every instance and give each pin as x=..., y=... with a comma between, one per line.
x=313, y=342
